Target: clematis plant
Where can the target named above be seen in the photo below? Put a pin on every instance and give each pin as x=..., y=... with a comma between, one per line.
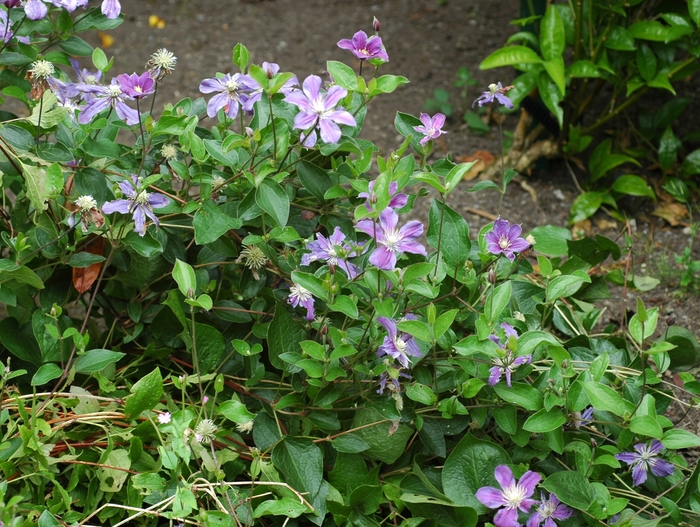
x=391, y=241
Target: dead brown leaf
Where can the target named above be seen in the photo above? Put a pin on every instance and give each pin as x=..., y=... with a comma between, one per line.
x=84, y=277
x=484, y=159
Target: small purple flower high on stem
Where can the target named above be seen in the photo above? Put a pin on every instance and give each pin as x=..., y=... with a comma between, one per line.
x=364, y=48
x=233, y=92
x=398, y=347
x=137, y=86
x=397, y=200
x=548, y=510
x=111, y=8
x=333, y=251
x=505, y=239
x=319, y=111
x=497, y=92
x=431, y=127
x=300, y=295
x=390, y=240
x=140, y=204
x=644, y=459
x=515, y=495
x=104, y=97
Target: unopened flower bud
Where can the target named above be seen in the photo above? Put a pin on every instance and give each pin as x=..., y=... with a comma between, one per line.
x=269, y=73
x=249, y=131
x=492, y=276
x=376, y=25
x=564, y=364
x=190, y=293
x=594, y=443
x=671, y=320
x=373, y=199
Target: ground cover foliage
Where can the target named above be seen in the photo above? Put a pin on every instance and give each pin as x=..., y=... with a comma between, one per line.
x=230, y=324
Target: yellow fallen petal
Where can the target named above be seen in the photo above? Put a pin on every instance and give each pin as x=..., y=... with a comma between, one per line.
x=106, y=40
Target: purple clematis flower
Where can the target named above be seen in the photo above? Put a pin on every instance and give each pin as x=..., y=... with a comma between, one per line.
x=549, y=510
x=137, y=86
x=495, y=91
x=515, y=495
x=506, y=364
x=86, y=76
x=70, y=5
x=431, y=127
x=35, y=9
x=300, y=295
x=391, y=240
x=6, y=33
x=233, y=92
x=397, y=200
x=138, y=203
x=644, y=459
x=271, y=69
x=505, y=239
x=319, y=111
x=111, y=8
x=364, y=48
x=333, y=251
x=397, y=346
x=104, y=97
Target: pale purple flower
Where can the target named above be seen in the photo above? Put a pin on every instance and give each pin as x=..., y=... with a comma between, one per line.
x=396, y=202
x=70, y=5
x=393, y=377
x=644, y=459
x=35, y=9
x=11, y=3
x=104, y=97
x=505, y=239
x=333, y=251
x=586, y=417
x=364, y=48
x=398, y=346
x=164, y=418
x=205, y=399
x=271, y=69
x=548, y=510
x=431, y=127
x=515, y=495
x=495, y=91
x=138, y=203
x=111, y=8
x=137, y=86
x=390, y=240
x=300, y=295
x=319, y=111
x=506, y=363
x=233, y=92
x=84, y=75
x=6, y=33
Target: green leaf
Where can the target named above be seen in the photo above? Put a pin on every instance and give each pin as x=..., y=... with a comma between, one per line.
x=694, y=10
x=311, y=282
x=481, y=185
x=76, y=46
x=582, y=69
x=235, y=411
x=301, y=463
x=284, y=335
x=96, y=360
x=389, y=83
x=272, y=198
x=604, y=398
x=551, y=95
x=556, y=69
x=620, y=39
x=241, y=56
x=469, y=467
x=99, y=59
x=457, y=174
x=344, y=304
x=421, y=393
x=314, y=179
x=291, y=508
x=443, y=323
x=646, y=425
x=433, y=437
x=350, y=444
x=342, y=75
x=417, y=328
x=678, y=438
x=520, y=394
x=646, y=62
x=183, y=273
x=642, y=331
x=551, y=240
x=23, y=275
x=650, y=30
x=572, y=488
x=454, y=242
x=145, y=394
x=545, y=421
x=36, y=180
x=603, y=161
x=565, y=286
x=497, y=301
x=384, y=445
x=47, y=372
x=211, y=347
x=633, y=186
x=84, y=259
x=552, y=36
x=210, y=223
x=510, y=56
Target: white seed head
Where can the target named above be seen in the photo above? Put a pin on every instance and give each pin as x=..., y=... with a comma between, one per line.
x=253, y=257
x=85, y=203
x=205, y=431
x=42, y=69
x=169, y=152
